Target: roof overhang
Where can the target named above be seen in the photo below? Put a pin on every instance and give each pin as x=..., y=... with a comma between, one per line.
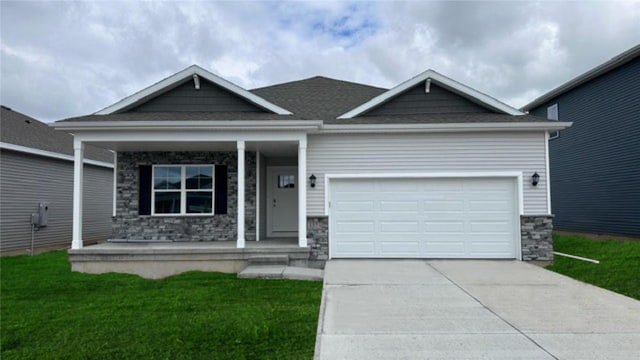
x=433, y=77
x=188, y=75
x=189, y=125
x=460, y=127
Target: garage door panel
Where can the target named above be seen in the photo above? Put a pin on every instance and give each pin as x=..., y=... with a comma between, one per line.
x=398, y=227
x=354, y=205
x=444, y=227
x=446, y=248
x=358, y=227
x=490, y=205
x=494, y=227
x=410, y=205
x=400, y=248
x=436, y=206
x=433, y=218
x=355, y=249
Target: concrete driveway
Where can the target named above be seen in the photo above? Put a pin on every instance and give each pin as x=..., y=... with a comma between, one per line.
x=467, y=309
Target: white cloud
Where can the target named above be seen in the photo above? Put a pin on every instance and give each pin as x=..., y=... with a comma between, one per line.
x=61, y=59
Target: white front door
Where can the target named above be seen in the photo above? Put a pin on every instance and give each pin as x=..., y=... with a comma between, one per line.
x=282, y=201
x=428, y=218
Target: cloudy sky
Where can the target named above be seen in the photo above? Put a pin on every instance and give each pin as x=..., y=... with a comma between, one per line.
x=63, y=59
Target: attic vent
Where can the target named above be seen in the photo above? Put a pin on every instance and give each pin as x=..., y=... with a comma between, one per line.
x=196, y=81
x=427, y=85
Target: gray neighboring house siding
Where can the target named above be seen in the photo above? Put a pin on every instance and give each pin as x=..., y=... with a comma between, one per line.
x=595, y=164
x=26, y=180
x=31, y=171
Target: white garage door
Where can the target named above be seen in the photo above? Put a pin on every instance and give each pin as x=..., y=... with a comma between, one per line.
x=430, y=218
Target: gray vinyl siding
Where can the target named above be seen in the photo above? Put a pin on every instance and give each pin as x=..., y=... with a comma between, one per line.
x=185, y=97
x=416, y=101
x=435, y=152
x=595, y=164
x=26, y=180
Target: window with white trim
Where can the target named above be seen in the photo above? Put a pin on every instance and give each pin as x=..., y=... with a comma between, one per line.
x=552, y=114
x=183, y=190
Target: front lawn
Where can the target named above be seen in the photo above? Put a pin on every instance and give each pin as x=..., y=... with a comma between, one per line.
x=619, y=268
x=48, y=312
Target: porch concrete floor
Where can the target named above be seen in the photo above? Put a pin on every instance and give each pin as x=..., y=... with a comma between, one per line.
x=156, y=260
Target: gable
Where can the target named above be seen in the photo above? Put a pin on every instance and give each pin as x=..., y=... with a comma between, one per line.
x=186, y=98
x=416, y=101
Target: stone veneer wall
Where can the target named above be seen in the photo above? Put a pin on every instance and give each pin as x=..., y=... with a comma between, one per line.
x=128, y=225
x=536, y=239
x=318, y=238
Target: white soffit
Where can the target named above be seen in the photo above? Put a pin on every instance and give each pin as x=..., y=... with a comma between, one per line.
x=438, y=79
x=187, y=74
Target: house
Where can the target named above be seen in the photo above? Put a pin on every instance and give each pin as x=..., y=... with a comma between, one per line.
x=320, y=168
x=36, y=167
x=595, y=164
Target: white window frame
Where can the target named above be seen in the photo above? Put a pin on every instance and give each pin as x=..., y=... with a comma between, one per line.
x=553, y=113
x=183, y=190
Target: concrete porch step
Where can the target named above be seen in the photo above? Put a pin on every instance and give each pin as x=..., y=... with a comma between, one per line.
x=268, y=260
x=281, y=272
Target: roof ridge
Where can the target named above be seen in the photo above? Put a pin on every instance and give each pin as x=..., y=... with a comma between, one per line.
x=318, y=77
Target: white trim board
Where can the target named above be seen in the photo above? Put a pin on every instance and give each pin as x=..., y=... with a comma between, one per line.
x=438, y=79
x=187, y=75
x=51, y=154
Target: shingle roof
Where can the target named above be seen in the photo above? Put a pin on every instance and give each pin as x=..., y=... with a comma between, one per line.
x=316, y=98
x=319, y=98
x=20, y=129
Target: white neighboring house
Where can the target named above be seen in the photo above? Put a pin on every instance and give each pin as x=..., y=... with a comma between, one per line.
x=36, y=166
x=428, y=169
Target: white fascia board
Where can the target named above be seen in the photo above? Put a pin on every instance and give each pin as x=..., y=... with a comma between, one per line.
x=459, y=127
x=186, y=125
x=51, y=154
x=440, y=80
x=188, y=74
x=186, y=136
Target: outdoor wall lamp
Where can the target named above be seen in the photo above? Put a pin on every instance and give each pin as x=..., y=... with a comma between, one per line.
x=535, y=178
x=312, y=180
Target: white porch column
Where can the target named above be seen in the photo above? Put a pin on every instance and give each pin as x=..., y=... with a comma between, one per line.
x=302, y=193
x=78, y=160
x=115, y=182
x=241, y=239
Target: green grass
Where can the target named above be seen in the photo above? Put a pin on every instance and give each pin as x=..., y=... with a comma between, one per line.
x=619, y=268
x=48, y=312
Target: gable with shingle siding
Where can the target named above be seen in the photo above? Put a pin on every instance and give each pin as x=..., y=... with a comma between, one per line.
x=186, y=98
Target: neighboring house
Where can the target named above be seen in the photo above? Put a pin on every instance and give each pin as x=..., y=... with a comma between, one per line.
x=428, y=169
x=595, y=164
x=36, y=166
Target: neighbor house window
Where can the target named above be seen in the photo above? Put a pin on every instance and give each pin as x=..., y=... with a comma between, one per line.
x=552, y=114
x=182, y=189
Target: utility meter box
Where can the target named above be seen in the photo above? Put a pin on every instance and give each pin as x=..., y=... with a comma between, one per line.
x=43, y=214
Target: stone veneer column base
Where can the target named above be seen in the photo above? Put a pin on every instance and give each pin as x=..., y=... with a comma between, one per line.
x=318, y=240
x=536, y=239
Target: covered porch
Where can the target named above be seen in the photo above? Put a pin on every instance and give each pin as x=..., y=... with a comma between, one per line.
x=158, y=240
